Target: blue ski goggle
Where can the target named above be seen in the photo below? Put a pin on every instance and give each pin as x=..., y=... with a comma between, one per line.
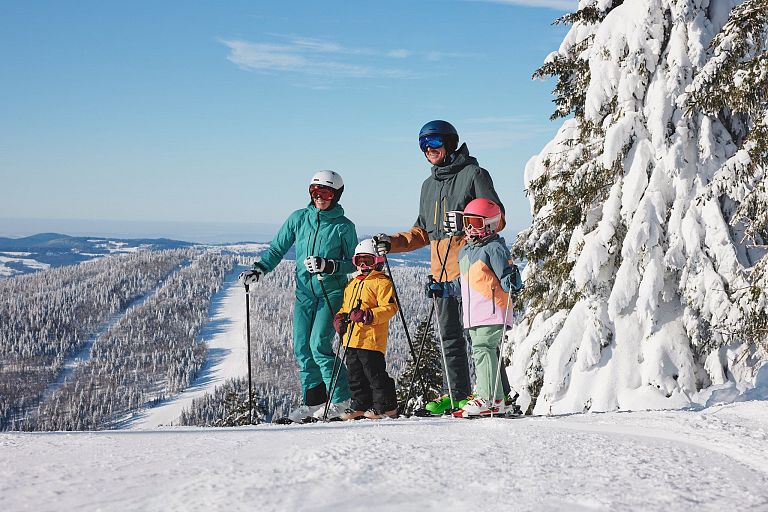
x=431, y=141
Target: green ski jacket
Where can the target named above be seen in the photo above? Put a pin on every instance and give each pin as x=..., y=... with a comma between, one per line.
x=325, y=233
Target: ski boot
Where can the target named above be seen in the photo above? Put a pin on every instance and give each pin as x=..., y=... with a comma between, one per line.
x=480, y=407
x=302, y=414
x=440, y=406
x=375, y=414
x=334, y=411
x=352, y=414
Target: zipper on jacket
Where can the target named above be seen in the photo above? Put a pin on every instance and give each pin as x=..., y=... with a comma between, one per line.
x=357, y=293
x=493, y=298
x=311, y=252
x=317, y=231
x=443, y=207
x=441, y=227
x=469, y=300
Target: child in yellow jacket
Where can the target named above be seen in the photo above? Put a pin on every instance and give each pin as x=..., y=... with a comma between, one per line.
x=369, y=303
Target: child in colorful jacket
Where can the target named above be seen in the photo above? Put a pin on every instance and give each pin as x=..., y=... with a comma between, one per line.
x=369, y=303
x=487, y=275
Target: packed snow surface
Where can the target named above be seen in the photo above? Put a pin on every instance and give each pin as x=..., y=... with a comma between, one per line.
x=712, y=459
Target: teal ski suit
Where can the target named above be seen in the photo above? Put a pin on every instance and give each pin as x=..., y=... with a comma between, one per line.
x=330, y=235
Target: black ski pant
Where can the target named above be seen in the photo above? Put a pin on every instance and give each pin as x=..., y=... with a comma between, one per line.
x=455, y=345
x=449, y=314
x=369, y=382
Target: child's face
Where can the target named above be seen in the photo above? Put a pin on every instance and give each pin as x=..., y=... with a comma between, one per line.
x=364, y=262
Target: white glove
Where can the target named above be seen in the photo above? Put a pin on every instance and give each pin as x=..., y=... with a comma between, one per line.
x=318, y=265
x=454, y=223
x=383, y=243
x=251, y=276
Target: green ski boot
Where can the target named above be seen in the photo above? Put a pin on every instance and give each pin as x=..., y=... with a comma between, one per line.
x=442, y=405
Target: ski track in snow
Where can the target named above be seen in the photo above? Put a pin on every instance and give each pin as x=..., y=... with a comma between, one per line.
x=712, y=459
x=226, y=357
x=84, y=353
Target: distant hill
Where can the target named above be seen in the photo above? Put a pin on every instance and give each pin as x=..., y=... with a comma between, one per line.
x=45, y=250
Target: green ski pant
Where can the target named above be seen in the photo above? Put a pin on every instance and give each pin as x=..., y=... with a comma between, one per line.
x=485, y=343
x=313, y=337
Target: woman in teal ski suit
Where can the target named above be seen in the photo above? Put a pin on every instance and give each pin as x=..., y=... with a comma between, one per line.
x=325, y=243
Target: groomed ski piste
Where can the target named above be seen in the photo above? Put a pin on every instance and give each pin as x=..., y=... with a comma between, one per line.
x=226, y=358
x=711, y=459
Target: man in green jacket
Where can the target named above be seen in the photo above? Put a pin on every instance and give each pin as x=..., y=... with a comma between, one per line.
x=455, y=180
x=325, y=243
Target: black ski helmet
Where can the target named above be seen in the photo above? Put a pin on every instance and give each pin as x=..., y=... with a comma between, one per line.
x=444, y=128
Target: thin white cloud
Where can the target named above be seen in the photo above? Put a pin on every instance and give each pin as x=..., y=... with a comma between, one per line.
x=399, y=54
x=318, y=57
x=558, y=5
x=303, y=59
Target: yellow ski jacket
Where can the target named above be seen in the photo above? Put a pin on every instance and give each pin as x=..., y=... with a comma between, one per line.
x=376, y=294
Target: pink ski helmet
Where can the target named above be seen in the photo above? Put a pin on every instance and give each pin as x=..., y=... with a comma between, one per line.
x=481, y=218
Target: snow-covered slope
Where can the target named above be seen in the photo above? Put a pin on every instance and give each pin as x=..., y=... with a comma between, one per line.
x=226, y=358
x=715, y=459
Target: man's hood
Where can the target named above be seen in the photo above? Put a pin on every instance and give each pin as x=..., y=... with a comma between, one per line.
x=459, y=160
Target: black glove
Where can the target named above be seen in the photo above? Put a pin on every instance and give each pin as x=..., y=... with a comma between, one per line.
x=318, y=265
x=434, y=289
x=251, y=276
x=513, y=281
x=383, y=243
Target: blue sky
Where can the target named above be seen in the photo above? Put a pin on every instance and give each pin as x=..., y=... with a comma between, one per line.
x=219, y=112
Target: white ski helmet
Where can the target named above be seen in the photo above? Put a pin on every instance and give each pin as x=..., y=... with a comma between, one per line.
x=331, y=180
x=327, y=179
x=366, y=258
x=367, y=246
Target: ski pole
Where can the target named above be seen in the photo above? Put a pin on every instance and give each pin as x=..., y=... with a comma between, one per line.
x=335, y=376
x=248, y=343
x=417, y=370
x=320, y=279
x=501, y=349
x=445, y=361
x=400, y=309
x=416, y=373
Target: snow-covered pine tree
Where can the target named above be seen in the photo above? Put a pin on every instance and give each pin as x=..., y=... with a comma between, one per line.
x=227, y=406
x=633, y=265
x=430, y=382
x=733, y=86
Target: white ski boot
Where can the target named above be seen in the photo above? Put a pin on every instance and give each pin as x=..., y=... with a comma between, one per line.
x=482, y=407
x=305, y=413
x=334, y=411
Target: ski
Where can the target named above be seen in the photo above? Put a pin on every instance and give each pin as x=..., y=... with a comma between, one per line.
x=507, y=416
x=285, y=420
